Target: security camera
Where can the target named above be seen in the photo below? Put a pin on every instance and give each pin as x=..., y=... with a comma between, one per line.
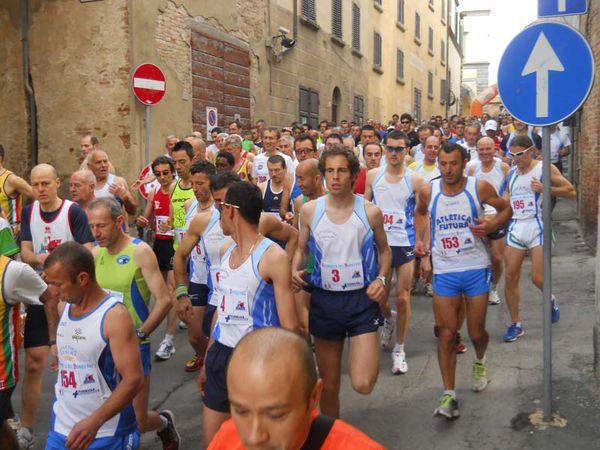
x=288, y=43
x=284, y=30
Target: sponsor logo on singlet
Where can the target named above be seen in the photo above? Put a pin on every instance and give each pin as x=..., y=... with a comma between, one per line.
x=123, y=259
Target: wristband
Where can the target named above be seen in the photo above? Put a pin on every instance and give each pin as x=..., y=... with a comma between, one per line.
x=51, y=342
x=181, y=291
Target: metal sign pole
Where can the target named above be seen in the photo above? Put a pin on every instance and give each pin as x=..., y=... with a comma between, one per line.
x=147, y=149
x=547, y=291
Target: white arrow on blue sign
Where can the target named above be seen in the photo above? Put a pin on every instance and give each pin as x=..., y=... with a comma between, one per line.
x=551, y=8
x=545, y=73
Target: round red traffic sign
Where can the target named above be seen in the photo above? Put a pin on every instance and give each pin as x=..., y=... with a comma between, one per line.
x=149, y=84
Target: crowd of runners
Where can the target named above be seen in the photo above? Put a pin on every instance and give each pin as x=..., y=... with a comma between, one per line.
x=271, y=247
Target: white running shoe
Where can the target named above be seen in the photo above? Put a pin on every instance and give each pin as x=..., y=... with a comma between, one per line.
x=25, y=438
x=166, y=349
x=494, y=298
x=388, y=331
x=399, y=365
x=428, y=290
x=479, y=380
x=182, y=325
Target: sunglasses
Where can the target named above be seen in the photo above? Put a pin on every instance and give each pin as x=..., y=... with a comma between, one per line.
x=164, y=173
x=516, y=155
x=303, y=152
x=404, y=122
x=398, y=149
x=220, y=205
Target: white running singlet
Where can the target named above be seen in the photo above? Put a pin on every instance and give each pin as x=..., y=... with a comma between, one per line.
x=46, y=236
x=198, y=271
x=421, y=169
x=212, y=240
x=103, y=191
x=87, y=375
x=246, y=301
x=453, y=246
x=495, y=177
x=525, y=202
x=397, y=202
x=345, y=254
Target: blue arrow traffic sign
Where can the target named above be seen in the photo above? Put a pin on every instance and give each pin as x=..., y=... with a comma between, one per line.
x=550, y=8
x=545, y=73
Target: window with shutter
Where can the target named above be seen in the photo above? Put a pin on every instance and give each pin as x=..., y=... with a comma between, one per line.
x=377, y=49
x=430, y=41
x=359, y=109
x=400, y=17
x=430, y=83
x=355, y=26
x=417, y=105
x=443, y=93
x=443, y=10
x=443, y=51
x=336, y=18
x=417, y=26
x=309, y=107
x=308, y=10
x=399, y=64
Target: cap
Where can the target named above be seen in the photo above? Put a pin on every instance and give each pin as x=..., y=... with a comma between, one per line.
x=490, y=125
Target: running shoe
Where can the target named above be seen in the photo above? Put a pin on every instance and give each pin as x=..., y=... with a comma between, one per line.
x=25, y=438
x=194, y=364
x=388, y=331
x=494, y=298
x=460, y=346
x=166, y=349
x=448, y=407
x=479, y=380
x=513, y=332
x=182, y=325
x=171, y=440
x=14, y=422
x=555, y=310
x=413, y=288
x=428, y=290
x=399, y=365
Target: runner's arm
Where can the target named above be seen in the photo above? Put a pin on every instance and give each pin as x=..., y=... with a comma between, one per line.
x=376, y=290
x=129, y=201
x=18, y=184
x=146, y=261
x=286, y=195
x=487, y=194
x=422, y=227
x=144, y=219
x=301, y=254
x=561, y=187
x=368, y=184
x=275, y=266
x=118, y=330
x=271, y=227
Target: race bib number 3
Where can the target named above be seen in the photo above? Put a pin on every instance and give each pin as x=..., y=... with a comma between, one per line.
x=342, y=277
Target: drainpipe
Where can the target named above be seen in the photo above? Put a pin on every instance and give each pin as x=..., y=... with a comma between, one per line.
x=295, y=21
x=30, y=94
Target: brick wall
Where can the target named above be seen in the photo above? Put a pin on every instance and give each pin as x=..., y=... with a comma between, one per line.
x=221, y=79
x=587, y=153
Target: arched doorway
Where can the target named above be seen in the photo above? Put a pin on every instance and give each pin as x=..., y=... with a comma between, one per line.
x=336, y=100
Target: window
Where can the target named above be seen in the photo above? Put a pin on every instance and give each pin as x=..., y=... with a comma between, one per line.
x=377, y=49
x=359, y=109
x=417, y=27
x=443, y=51
x=399, y=65
x=443, y=93
x=400, y=17
x=431, y=3
x=430, y=84
x=443, y=11
x=308, y=10
x=378, y=3
x=417, y=105
x=355, y=26
x=336, y=18
x=430, y=42
x=309, y=107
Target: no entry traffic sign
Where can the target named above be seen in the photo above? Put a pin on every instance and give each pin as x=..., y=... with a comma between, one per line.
x=148, y=83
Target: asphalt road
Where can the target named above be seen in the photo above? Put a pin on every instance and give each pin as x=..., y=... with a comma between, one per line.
x=398, y=413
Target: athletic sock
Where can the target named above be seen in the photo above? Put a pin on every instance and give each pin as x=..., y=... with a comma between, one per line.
x=554, y=300
x=494, y=286
x=518, y=324
x=398, y=348
x=169, y=338
x=480, y=361
x=450, y=392
x=164, y=423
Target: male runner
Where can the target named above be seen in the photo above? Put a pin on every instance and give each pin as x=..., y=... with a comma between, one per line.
x=109, y=185
x=272, y=189
x=258, y=382
x=469, y=141
x=46, y=223
x=12, y=190
x=19, y=284
x=254, y=290
x=81, y=188
x=99, y=368
x=260, y=171
x=494, y=171
x=158, y=207
x=450, y=210
x=393, y=189
x=243, y=166
x=428, y=167
x=372, y=154
x=345, y=234
x=525, y=232
x=128, y=269
x=305, y=147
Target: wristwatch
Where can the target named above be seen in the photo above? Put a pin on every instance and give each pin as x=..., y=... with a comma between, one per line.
x=383, y=280
x=141, y=334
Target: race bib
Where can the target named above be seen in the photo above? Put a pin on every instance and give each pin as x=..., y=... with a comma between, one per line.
x=179, y=233
x=214, y=277
x=523, y=205
x=234, y=307
x=455, y=242
x=162, y=219
x=342, y=276
x=394, y=221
